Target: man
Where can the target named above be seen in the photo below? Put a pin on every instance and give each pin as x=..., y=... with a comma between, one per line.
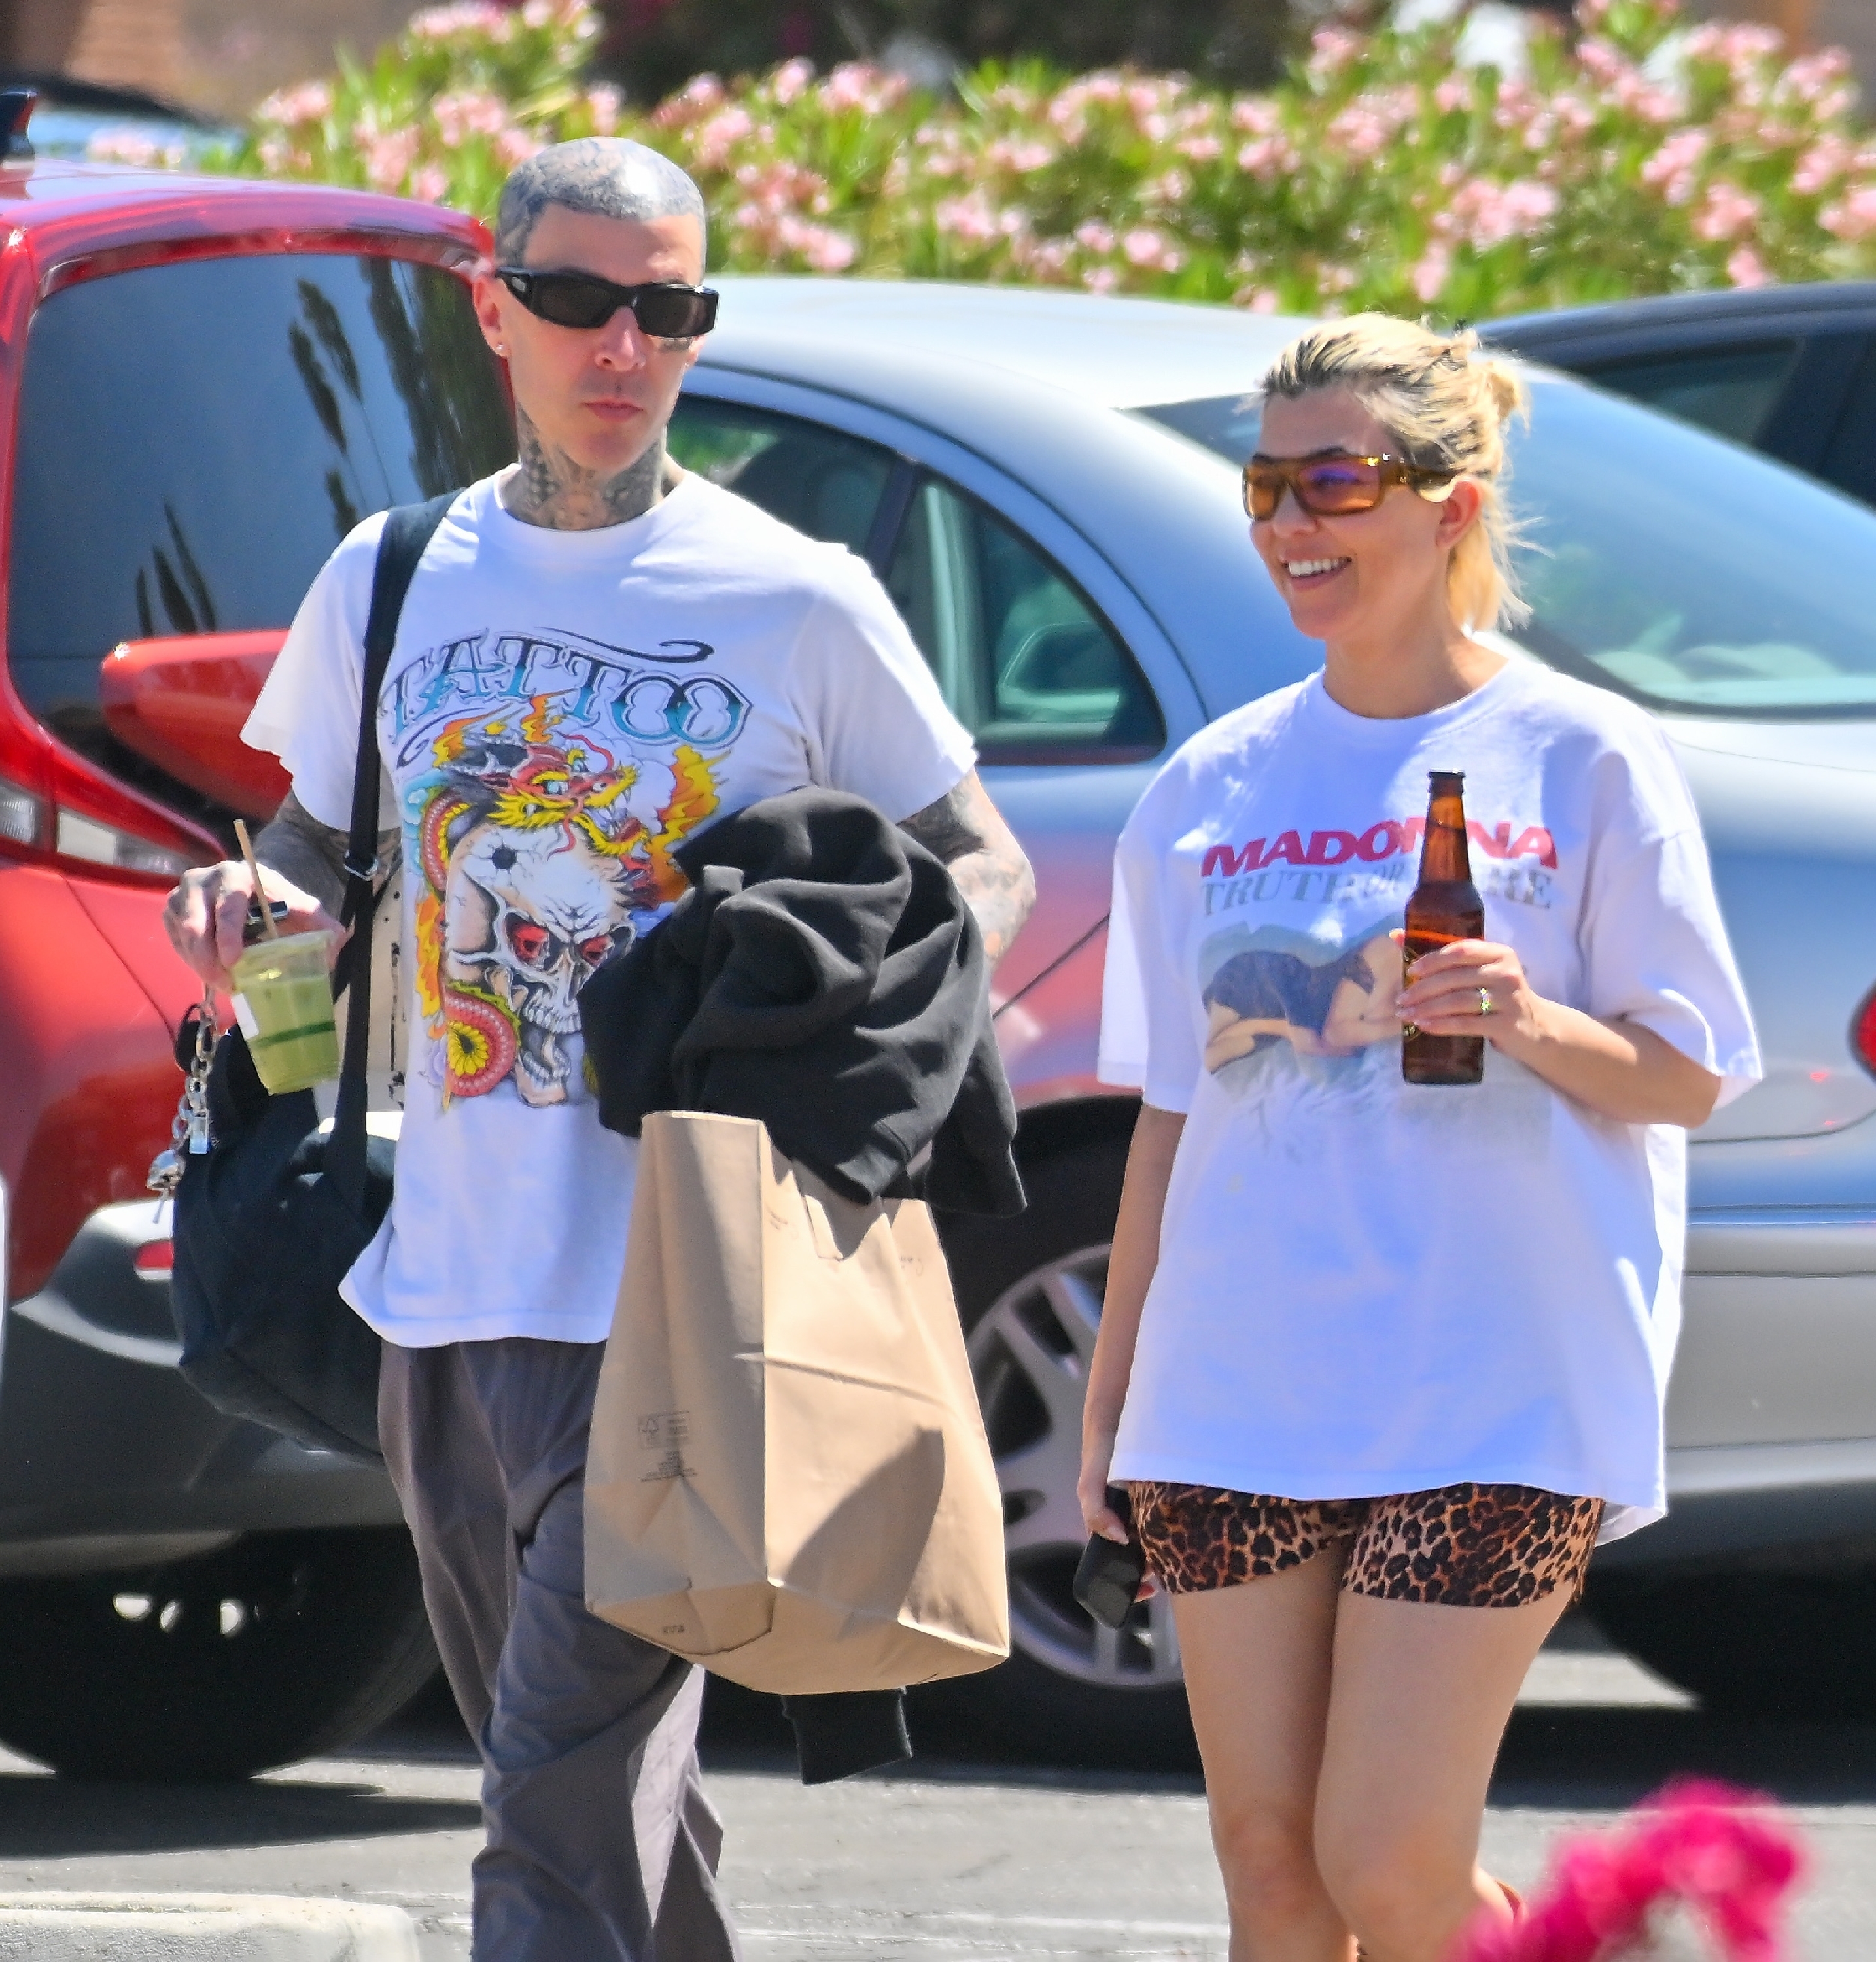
x=599, y=653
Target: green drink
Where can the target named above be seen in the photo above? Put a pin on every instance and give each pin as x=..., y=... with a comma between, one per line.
x=285, y=1010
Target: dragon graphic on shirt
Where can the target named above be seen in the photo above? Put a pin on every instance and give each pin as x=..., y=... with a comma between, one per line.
x=539, y=855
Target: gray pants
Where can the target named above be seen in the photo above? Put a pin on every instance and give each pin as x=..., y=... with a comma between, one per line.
x=601, y=1846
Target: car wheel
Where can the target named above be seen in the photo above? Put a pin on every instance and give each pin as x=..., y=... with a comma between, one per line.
x=1771, y=1644
x=1029, y=1290
x=278, y=1646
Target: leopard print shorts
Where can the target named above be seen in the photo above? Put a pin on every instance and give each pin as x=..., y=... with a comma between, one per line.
x=1468, y=1546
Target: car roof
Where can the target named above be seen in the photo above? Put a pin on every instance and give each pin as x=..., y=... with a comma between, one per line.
x=65, y=207
x=1798, y=308
x=1101, y=350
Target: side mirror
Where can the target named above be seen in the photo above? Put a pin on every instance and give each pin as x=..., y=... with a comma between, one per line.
x=180, y=703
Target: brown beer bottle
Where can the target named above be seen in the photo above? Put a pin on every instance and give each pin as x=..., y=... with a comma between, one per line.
x=1445, y=906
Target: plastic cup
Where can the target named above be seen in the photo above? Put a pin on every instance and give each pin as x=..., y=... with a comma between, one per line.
x=285, y=1010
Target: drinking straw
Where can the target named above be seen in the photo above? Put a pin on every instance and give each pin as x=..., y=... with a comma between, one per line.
x=253, y=872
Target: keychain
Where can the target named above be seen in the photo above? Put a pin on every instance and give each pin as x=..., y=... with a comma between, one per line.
x=189, y=1136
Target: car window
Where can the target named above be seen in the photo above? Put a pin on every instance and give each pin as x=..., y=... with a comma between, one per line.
x=1731, y=391
x=1024, y=660
x=820, y=481
x=1027, y=665
x=1850, y=461
x=1684, y=573
x=195, y=438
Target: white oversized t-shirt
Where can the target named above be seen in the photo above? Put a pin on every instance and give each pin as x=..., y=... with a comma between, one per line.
x=562, y=711
x=1368, y=1286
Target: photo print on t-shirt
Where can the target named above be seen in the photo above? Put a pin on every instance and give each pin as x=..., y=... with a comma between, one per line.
x=541, y=829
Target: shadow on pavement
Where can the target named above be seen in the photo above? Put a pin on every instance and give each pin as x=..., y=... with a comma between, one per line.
x=1564, y=1759
x=48, y=1818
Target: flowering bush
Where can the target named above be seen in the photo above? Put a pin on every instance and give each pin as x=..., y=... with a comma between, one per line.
x=1640, y=155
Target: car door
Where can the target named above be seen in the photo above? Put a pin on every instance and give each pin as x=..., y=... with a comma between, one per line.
x=1067, y=687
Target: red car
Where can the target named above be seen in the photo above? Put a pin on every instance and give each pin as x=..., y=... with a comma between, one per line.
x=204, y=384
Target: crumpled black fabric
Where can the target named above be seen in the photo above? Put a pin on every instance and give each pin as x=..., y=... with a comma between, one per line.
x=823, y=974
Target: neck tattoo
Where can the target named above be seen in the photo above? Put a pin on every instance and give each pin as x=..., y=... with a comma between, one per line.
x=549, y=489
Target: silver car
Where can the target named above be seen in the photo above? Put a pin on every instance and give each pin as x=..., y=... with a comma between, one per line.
x=1047, y=483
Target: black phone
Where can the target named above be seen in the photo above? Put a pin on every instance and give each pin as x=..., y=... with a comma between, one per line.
x=1110, y=1575
x=253, y=928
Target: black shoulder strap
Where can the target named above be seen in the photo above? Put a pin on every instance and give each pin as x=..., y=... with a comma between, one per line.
x=408, y=530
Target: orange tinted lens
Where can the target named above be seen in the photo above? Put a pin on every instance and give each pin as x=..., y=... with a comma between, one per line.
x=1263, y=490
x=1339, y=484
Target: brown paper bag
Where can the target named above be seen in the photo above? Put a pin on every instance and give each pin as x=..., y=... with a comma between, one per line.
x=788, y=1479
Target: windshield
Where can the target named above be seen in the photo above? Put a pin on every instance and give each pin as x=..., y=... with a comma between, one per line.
x=1671, y=567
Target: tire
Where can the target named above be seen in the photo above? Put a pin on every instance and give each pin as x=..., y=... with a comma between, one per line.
x=1029, y=1293
x=277, y=1647
x=1755, y=1644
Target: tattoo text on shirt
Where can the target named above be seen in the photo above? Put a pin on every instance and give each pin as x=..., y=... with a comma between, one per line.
x=589, y=683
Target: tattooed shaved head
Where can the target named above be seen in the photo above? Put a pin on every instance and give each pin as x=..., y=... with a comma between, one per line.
x=608, y=177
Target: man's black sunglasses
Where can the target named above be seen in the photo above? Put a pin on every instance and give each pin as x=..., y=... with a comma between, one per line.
x=666, y=311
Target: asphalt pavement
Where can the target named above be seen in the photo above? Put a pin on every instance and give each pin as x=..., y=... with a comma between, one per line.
x=959, y=1856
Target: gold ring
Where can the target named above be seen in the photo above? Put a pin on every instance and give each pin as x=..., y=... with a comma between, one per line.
x=1485, y=1001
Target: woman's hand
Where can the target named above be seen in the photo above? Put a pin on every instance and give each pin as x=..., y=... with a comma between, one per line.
x=1472, y=987
x=1091, y=1489
x=206, y=912
x=1619, y=1067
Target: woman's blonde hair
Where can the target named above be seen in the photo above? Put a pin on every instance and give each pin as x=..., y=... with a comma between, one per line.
x=1445, y=405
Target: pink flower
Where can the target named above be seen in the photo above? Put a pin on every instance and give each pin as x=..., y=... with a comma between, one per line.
x=1485, y=214
x=431, y=184
x=474, y=112
x=1257, y=299
x=465, y=17
x=1745, y=268
x=389, y=157
x=603, y=104
x=1255, y=117
x=1726, y=212
x=1821, y=165
x=790, y=80
x=1852, y=217
x=1455, y=92
x=131, y=147
x=1671, y=170
x=972, y=220
x=1101, y=279
x=1008, y=153
x=858, y=85
x=1267, y=159
x=1094, y=236
x=1201, y=149
x=695, y=99
x=514, y=146
x=1332, y=49
x=1430, y=272
x=1150, y=251
x=311, y=102
x=711, y=143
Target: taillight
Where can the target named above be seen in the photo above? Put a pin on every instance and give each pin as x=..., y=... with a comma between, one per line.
x=55, y=804
x=1863, y=1033
x=22, y=816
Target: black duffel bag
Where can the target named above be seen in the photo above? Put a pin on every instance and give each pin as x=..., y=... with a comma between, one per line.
x=270, y=1218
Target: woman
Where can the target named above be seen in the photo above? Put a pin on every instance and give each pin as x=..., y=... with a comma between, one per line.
x=1379, y=1362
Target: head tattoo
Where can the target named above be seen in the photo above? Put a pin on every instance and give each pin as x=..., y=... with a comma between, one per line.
x=608, y=177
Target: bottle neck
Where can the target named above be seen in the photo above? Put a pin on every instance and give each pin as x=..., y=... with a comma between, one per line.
x=1444, y=859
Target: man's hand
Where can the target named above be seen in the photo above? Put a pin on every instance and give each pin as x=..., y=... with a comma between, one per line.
x=207, y=914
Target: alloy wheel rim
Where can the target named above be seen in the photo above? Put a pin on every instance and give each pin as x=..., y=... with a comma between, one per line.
x=1030, y=1354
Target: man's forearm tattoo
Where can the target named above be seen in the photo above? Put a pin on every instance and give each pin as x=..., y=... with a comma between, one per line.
x=552, y=490
x=312, y=855
x=965, y=830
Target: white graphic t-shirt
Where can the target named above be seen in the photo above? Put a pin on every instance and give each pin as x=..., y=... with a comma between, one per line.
x=562, y=709
x=1368, y=1286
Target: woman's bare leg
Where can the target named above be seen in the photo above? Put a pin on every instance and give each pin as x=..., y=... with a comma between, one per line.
x=1257, y=1660
x=1421, y=1694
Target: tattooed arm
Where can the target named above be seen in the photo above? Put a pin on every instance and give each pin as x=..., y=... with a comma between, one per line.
x=302, y=861
x=966, y=831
